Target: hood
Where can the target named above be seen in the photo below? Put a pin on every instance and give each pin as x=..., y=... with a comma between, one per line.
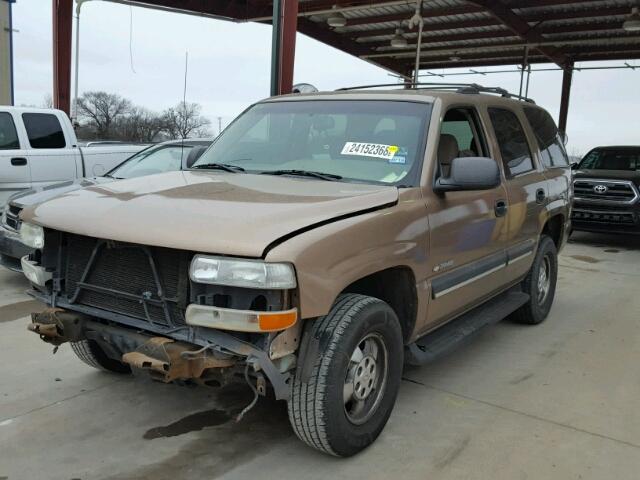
x=225, y=213
x=32, y=196
x=632, y=175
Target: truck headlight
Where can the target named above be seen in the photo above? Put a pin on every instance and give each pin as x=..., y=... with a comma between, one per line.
x=32, y=235
x=242, y=273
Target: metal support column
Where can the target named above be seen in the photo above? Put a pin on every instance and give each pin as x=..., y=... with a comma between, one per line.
x=6, y=53
x=62, y=27
x=567, y=76
x=283, y=45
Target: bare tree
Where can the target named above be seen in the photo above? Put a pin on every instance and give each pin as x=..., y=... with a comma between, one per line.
x=184, y=120
x=47, y=101
x=101, y=110
x=140, y=125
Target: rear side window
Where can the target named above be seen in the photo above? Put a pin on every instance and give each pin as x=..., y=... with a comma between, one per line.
x=515, y=151
x=8, y=134
x=43, y=130
x=551, y=147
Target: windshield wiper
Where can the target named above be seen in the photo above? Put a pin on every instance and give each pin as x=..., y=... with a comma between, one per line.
x=227, y=167
x=305, y=173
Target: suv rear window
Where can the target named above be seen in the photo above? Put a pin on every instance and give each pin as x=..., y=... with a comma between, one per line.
x=43, y=130
x=514, y=148
x=8, y=134
x=544, y=128
x=612, y=159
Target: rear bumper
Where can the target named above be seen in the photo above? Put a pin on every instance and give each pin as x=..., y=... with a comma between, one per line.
x=606, y=218
x=12, y=249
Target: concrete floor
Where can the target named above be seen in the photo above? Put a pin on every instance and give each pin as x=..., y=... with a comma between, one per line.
x=556, y=401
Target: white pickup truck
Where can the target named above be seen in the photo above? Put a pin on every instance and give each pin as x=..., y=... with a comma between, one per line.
x=39, y=147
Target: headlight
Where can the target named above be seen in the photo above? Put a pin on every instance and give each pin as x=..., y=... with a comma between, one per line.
x=242, y=273
x=32, y=235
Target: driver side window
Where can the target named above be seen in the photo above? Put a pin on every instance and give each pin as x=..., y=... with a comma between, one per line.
x=460, y=136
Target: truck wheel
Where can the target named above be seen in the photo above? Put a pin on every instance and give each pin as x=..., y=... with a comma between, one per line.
x=92, y=354
x=348, y=376
x=540, y=284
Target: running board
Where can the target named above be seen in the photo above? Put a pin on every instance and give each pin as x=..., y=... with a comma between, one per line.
x=452, y=334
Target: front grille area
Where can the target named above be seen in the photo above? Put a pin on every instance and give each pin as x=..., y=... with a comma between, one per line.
x=611, y=217
x=13, y=220
x=119, y=277
x=606, y=191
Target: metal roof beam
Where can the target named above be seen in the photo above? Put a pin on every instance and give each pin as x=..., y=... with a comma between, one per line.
x=519, y=26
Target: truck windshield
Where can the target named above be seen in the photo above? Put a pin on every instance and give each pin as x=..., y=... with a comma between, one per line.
x=612, y=159
x=356, y=140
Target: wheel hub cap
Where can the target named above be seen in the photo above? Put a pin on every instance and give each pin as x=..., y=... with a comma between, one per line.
x=365, y=379
x=544, y=280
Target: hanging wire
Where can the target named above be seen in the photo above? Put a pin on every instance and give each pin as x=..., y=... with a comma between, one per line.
x=131, y=38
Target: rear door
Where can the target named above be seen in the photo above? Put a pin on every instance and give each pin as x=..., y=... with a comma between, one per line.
x=14, y=167
x=527, y=190
x=51, y=156
x=467, y=228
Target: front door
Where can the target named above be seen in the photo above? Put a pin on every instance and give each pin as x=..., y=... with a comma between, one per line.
x=14, y=168
x=468, y=228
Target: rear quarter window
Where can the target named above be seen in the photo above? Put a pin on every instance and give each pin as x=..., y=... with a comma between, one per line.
x=43, y=130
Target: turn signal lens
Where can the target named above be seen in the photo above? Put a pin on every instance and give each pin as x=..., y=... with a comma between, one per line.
x=240, y=320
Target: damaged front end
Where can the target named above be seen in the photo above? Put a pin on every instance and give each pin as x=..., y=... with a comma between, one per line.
x=163, y=358
x=142, y=308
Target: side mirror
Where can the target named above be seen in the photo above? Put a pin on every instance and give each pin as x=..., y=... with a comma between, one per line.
x=574, y=165
x=470, y=173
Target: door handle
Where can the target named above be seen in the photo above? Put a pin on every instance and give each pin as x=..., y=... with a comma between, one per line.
x=501, y=208
x=19, y=161
x=540, y=196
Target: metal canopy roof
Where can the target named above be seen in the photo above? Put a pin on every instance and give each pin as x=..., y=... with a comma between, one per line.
x=457, y=33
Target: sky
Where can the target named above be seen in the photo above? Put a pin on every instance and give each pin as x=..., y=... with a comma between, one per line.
x=140, y=54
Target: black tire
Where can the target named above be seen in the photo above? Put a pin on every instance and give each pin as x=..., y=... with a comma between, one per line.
x=92, y=354
x=318, y=411
x=535, y=311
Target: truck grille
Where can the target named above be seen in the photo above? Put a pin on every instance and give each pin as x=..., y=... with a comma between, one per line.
x=611, y=217
x=605, y=191
x=13, y=217
x=120, y=278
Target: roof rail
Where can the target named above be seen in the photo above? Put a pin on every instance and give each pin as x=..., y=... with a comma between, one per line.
x=468, y=88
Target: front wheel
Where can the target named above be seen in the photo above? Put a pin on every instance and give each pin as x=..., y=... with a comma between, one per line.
x=540, y=284
x=92, y=354
x=348, y=376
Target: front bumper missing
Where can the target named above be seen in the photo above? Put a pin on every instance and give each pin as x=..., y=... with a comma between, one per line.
x=165, y=358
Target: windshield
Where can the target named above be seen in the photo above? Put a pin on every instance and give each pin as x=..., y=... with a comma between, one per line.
x=612, y=159
x=356, y=140
x=158, y=159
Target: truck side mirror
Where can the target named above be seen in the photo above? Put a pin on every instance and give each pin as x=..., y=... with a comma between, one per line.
x=470, y=173
x=574, y=165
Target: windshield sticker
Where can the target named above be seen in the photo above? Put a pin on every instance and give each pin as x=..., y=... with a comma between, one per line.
x=374, y=150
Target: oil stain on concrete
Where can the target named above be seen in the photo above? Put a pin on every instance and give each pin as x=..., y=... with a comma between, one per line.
x=585, y=258
x=191, y=423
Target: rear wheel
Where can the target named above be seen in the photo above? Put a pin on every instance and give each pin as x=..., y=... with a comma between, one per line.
x=93, y=355
x=348, y=376
x=540, y=284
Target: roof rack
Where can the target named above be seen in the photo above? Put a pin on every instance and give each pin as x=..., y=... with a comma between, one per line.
x=468, y=88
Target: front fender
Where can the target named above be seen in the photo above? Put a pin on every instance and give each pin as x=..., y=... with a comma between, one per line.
x=331, y=257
